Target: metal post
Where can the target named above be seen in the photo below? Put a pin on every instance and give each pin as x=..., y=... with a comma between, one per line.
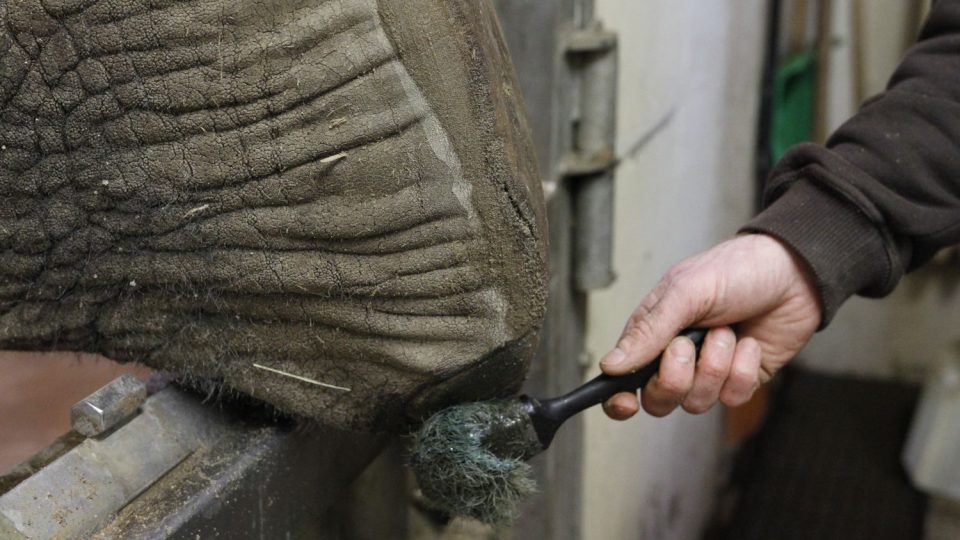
x=591, y=164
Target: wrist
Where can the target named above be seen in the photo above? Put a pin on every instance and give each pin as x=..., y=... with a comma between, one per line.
x=796, y=275
x=834, y=242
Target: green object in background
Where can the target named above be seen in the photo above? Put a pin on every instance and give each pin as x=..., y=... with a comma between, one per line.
x=794, y=92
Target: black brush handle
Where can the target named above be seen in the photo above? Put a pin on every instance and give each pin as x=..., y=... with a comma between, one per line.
x=547, y=415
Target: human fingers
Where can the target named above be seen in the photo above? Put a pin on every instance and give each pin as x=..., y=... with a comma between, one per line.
x=666, y=310
x=713, y=367
x=744, y=378
x=622, y=406
x=670, y=385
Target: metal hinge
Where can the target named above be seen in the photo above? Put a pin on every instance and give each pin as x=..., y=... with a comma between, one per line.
x=589, y=163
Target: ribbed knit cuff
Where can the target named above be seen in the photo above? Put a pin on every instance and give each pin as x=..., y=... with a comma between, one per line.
x=840, y=245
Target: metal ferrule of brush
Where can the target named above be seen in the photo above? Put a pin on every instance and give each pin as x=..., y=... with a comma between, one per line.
x=547, y=416
x=508, y=431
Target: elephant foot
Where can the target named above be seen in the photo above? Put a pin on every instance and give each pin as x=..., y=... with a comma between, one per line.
x=332, y=206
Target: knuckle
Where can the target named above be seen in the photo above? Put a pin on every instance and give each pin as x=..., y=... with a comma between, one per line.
x=657, y=410
x=631, y=336
x=695, y=406
x=657, y=402
x=683, y=277
x=652, y=298
x=673, y=386
x=735, y=398
x=674, y=277
x=726, y=336
x=641, y=329
x=617, y=415
x=677, y=270
x=646, y=324
x=712, y=369
x=743, y=374
x=730, y=399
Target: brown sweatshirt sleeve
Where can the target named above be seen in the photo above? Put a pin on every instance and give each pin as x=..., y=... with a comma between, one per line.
x=883, y=195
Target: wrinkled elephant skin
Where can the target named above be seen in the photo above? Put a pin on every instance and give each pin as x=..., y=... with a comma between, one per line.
x=341, y=190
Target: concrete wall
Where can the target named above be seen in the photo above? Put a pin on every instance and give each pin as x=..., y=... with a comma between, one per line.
x=692, y=67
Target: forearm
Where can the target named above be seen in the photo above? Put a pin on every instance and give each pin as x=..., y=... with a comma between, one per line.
x=883, y=195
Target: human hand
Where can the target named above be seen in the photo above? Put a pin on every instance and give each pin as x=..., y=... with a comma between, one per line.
x=753, y=282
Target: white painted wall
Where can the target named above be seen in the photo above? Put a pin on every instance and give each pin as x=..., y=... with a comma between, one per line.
x=691, y=186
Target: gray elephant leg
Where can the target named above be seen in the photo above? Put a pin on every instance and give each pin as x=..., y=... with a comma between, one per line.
x=340, y=190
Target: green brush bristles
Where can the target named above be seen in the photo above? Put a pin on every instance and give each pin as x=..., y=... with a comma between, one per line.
x=460, y=472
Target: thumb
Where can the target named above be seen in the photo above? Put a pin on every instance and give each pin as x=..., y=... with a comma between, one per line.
x=667, y=310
